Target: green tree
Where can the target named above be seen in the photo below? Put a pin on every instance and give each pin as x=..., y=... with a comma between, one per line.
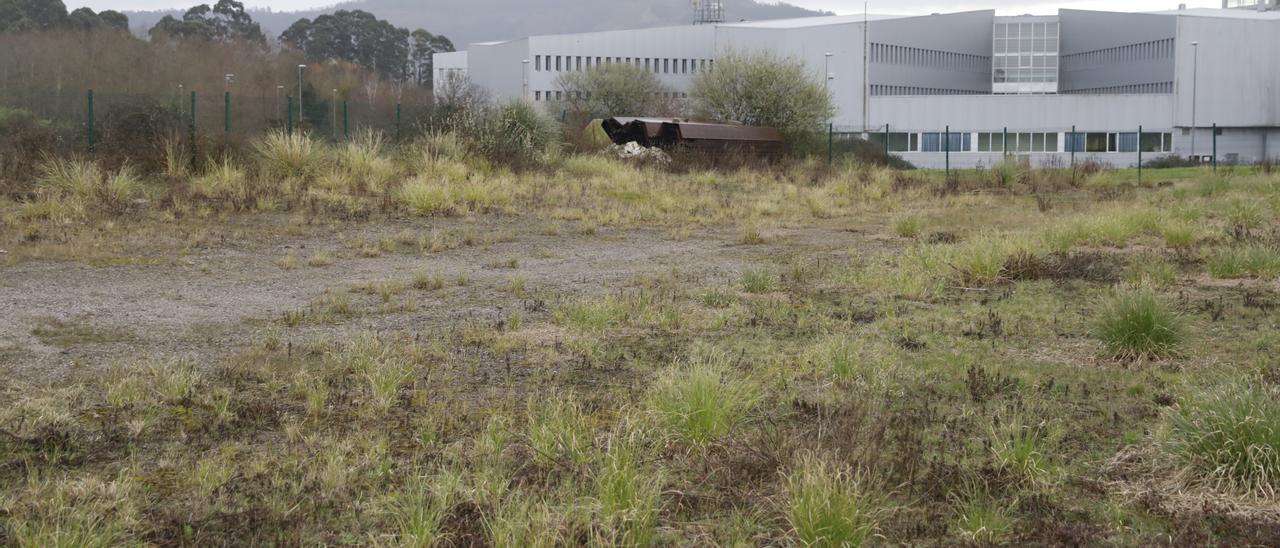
x=762, y=89
x=422, y=45
x=29, y=15
x=226, y=21
x=612, y=90
x=355, y=36
x=86, y=19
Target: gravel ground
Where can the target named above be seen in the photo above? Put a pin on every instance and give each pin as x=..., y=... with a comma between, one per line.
x=204, y=304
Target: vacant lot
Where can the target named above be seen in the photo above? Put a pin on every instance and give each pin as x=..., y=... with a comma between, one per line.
x=422, y=349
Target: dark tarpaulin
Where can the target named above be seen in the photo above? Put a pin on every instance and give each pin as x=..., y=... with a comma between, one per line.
x=669, y=133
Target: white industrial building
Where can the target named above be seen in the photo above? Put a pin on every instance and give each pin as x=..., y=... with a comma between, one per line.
x=1001, y=85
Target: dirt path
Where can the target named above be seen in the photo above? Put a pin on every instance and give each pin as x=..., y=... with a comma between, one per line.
x=202, y=307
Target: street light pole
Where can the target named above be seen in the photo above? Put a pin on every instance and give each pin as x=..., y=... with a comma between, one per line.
x=524, y=68
x=1195, y=90
x=279, y=90
x=826, y=70
x=334, y=125
x=300, y=67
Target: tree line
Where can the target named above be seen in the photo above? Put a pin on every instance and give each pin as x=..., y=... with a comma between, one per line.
x=354, y=36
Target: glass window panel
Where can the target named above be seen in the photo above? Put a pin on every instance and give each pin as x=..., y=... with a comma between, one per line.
x=1051, y=142
x=1024, y=142
x=1128, y=142
x=984, y=142
x=1037, y=142
x=932, y=142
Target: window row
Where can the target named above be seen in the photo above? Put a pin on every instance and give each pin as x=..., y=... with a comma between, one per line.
x=1026, y=30
x=561, y=95
x=1025, y=75
x=1151, y=88
x=1025, y=61
x=1026, y=142
x=1143, y=51
x=920, y=57
x=882, y=90
x=656, y=65
x=1025, y=45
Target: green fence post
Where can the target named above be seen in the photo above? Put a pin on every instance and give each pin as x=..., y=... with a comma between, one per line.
x=226, y=115
x=191, y=130
x=1073, y=155
x=288, y=119
x=1139, y=155
x=831, y=129
x=946, y=147
x=346, y=133
x=89, y=119
x=886, y=143
x=1005, y=140
x=397, y=122
x=1215, y=147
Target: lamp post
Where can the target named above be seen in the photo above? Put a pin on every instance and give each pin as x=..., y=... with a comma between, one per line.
x=334, y=124
x=826, y=70
x=300, y=67
x=279, y=90
x=1195, y=89
x=524, y=72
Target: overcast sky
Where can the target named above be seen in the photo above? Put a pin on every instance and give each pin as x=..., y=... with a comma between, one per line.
x=839, y=6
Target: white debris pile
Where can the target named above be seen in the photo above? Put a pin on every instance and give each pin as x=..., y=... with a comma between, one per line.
x=635, y=151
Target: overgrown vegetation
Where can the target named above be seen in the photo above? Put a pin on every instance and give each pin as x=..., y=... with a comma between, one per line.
x=821, y=355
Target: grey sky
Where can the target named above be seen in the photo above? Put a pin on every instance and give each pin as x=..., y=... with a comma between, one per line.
x=838, y=6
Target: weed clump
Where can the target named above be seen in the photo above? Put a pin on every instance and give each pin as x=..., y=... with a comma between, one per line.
x=1229, y=439
x=1138, y=324
x=830, y=506
x=701, y=400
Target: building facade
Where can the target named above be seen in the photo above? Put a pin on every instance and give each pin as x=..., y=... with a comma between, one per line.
x=971, y=88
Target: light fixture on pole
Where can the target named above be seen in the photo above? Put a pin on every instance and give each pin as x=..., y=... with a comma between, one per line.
x=226, y=80
x=300, y=67
x=826, y=69
x=1195, y=89
x=279, y=90
x=524, y=68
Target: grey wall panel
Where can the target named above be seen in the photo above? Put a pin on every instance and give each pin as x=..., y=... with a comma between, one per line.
x=1085, y=31
x=1024, y=112
x=1239, y=71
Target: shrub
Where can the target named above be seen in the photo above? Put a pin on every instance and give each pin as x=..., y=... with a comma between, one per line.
x=289, y=158
x=702, y=399
x=745, y=87
x=1136, y=323
x=1169, y=161
x=1229, y=439
x=367, y=169
x=830, y=506
x=603, y=91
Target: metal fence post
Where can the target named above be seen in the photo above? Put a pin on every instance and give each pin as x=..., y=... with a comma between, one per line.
x=1215, y=147
x=191, y=130
x=289, y=117
x=886, y=143
x=397, y=122
x=1139, y=155
x=346, y=133
x=226, y=116
x=89, y=120
x=1073, y=155
x=831, y=129
x=1004, y=139
x=946, y=146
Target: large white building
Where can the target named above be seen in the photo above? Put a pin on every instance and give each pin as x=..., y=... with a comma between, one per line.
x=1035, y=86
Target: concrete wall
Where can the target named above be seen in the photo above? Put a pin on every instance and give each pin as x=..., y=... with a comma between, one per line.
x=679, y=43
x=498, y=68
x=1054, y=113
x=1085, y=31
x=968, y=33
x=1238, y=81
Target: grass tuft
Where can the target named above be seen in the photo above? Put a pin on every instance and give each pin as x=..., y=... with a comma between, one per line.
x=830, y=506
x=1136, y=323
x=702, y=399
x=1229, y=439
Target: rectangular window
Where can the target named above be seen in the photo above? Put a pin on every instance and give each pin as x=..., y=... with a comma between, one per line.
x=537, y=96
x=558, y=68
x=1095, y=142
x=666, y=66
x=559, y=95
x=932, y=142
x=1128, y=142
x=684, y=66
x=1152, y=142
x=537, y=63
x=648, y=64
